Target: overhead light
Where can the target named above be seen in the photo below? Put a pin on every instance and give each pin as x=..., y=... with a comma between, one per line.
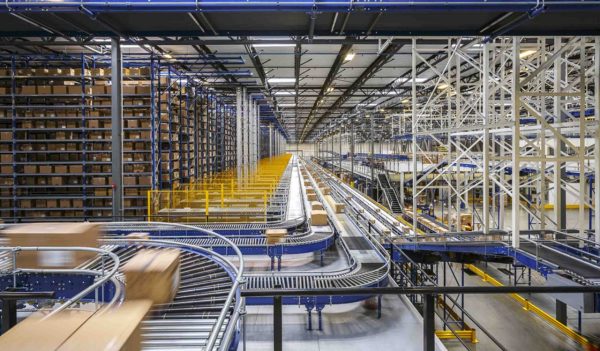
x=526, y=53
x=273, y=45
x=167, y=56
x=330, y=89
x=283, y=92
x=286, y=105
x=131, y=46
x=442, y=86
x=405, y=101
x=349, y=56
x=281, y=80
x=410, y=80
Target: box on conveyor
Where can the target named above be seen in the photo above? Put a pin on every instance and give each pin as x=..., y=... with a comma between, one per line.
x=318, y=217
x=117, y=329
x=311, y=197
x=53, y=234
x=325, y=190
x=316, y=205
x=32, y=334
x=275, y=236
x=337, y=207
x=152, y=275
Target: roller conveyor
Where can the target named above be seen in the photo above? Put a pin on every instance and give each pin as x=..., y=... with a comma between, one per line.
x=187, y=322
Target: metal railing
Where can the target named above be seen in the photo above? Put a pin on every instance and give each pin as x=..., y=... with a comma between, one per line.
x=429, y=293
x=104, y=276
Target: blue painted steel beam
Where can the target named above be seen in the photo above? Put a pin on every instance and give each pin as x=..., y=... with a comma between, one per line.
x=93, y=7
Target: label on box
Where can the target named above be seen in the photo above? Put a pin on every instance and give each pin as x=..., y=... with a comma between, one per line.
x=56, y=258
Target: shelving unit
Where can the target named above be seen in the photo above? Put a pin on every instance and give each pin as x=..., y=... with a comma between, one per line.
x=55, y=135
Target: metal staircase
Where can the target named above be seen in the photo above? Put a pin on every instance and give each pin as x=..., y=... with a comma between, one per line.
x=390, y=194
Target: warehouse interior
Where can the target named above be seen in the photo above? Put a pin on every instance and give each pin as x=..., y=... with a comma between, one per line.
x=298, y=175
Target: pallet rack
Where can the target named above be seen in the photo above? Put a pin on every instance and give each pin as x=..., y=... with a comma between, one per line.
x=55, y=135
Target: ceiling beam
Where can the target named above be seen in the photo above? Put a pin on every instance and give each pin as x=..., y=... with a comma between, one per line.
x=386, y=56
x=333, y=71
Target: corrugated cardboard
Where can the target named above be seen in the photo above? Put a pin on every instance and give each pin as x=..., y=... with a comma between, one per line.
x=337, y=207
x=316, y=205
x=153, y=275
x=275, y=236
x=34, y=335
x=53, y=234
x=115, y=330
x=318, y=217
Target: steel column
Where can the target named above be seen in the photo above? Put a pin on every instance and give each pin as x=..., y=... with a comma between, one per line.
x=516, y=157
x=560, y=204
x=429, y=322
x=239, y=131
x=117, y=128
x=597, y=146
x=486, y=139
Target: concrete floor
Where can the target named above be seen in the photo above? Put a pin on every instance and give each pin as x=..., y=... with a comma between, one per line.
x=349, y=327
x=508, y=322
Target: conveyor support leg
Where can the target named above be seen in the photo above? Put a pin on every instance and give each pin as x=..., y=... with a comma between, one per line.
x=379, y=307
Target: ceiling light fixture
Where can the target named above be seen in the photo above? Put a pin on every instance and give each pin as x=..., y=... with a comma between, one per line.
x=526, y=53
x=349, y=56
x=273, y=45
x=281, y=80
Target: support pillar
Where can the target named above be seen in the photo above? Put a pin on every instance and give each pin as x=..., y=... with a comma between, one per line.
x=271, y=150
x=117, y=128
x=486, y=140
x=597, y=147
x=561, y=312
x=516, y=156
x=560, y=205
x=239, y=132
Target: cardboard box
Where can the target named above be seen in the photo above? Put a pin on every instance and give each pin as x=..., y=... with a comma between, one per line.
x=53, y=234
x=98, y=181
x=117, y=329
x=56, y=181
x=129, y=181
x=29, y=90
x=275, y=236
x=74, y=89
x=337, y=207
x=316, y=205
x=312, y=197
x=59, y=90
x=49, y=334
x=318, y=217
x=76, y=169
x=44, y=89
x=153, y=275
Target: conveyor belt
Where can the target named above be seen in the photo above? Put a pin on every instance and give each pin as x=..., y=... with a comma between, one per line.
x=562, y=260
x=186, y=323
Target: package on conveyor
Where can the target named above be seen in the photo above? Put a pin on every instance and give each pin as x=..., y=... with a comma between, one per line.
x=275, y=236
x=337, y=206
x=318, y=217
x=117, y=329
x=152, y=275
x=316, y=205
x=33, y=334
x=54, y=235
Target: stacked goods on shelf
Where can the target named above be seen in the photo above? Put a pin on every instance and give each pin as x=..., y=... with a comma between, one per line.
x=172, y=104
x=137, y=140
x=55, y=136
x=55, y=150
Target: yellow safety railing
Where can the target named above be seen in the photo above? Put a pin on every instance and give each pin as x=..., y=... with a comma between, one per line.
x=230, y=196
